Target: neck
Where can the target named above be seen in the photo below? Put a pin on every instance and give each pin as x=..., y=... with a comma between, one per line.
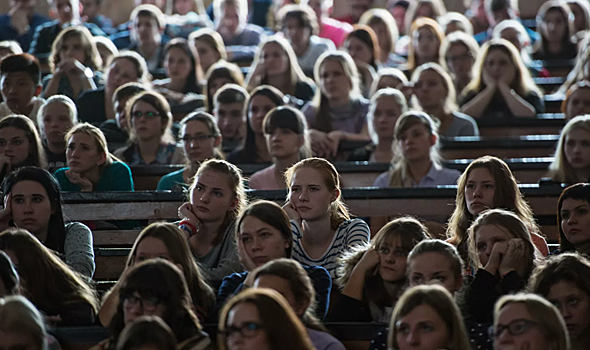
x=317, y=232
x=208, y=231
x=337, y=102
x=384, y=144
x=301, y=49
x=421, y=60
x=384, y=56
x=580, y=342
x=277, y=80
x=419, y=169
x=149, y=48
x=148, y=148
x=177, y=85
x=393, y=288
x=437, y=110
x=41, y=236
x=26, y=110
x=59, y=147
x=261, y=148
x=554, y=47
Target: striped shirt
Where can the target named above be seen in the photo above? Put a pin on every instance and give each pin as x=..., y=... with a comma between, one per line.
x=348, y=234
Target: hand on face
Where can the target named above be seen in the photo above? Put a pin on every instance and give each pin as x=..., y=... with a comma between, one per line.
x=185, y=212
x=292, y=212
x=489, y=80
x=245, y=259
x=369, y=261
x=513, y=258
x=80, y=180
x=495, y=257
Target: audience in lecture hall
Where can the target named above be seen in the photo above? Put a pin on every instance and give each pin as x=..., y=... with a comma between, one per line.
x=172, y=107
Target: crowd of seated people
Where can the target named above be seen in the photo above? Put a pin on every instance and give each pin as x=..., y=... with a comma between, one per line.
x=230, y=101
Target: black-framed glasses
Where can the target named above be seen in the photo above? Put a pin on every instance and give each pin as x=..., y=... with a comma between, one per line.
x=146, y=303
x=247, y=330
x=197, y=137
x=514, y=328
x=148, y=114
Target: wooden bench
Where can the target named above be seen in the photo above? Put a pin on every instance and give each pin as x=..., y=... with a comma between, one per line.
x=544, y=124
x=557, y=68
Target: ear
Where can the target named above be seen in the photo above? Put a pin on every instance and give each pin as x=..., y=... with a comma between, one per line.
x=432, y=140
x=218, y=141
x=102, y=158
x=233, y=204
x=38, y=90
x=301, y=141
x=301, y=307
x=335, y=195
x=459, y=283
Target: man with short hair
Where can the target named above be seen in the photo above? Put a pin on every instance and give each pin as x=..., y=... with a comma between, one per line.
x=20, y=84
x=146, y=33
x=240, y=38
x=230, y=103
x=20, y=23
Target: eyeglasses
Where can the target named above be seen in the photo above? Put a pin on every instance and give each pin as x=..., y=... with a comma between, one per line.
x=148, y=114
x=197, y=137
x=247, y=330
x=147, y=303
x=514, y=328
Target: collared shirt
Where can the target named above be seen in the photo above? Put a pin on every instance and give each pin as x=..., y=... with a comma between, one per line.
x=434, y=177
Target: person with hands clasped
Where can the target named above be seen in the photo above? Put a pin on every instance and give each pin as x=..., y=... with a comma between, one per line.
x=501, y=247
x=321, y=224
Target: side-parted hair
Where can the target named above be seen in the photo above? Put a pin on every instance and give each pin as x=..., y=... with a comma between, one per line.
x=338, y=210
x=19, y=316
x=568, y=267
x=62, y=99
x=389, y=92
x=195, y=75
x=99, y=139
x=560, y=169
x=24, y=63
x=282, y=327
x=456, y=18
x=287, y=117
x=459, y=38
x=384, y=73
x=211, y=124
x=440, y=247
x=437, y=6
x=367, y=36
x=579, y=191
x=149, y=11
x=92, y=58
x=147, y=332
x=451, y=98
x=231, y=93
x=128, y=90
x=434, y=28
x=580, y=85
x=441, y=301
x=143, y=74
x=381, y=16
x=36, y=155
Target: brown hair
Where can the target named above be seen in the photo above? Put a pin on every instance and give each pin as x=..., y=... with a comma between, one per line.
x=36, y=156
x=434, y=28
x=92, y=58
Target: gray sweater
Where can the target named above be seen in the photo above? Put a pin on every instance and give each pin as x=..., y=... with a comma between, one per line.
x=78, y=249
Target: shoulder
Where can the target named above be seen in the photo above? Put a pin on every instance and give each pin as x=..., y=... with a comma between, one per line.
x=48, y=26
x=60, y=173
x=120, y=167
x=382, y=180
x=353, y=225
x=253, y=28
x=90, y=96
x=75, y=226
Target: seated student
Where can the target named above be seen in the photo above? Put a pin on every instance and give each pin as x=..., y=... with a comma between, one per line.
x=68, y=14
x=105, y=47
x=75, y=64
x=431, y=307
x=148, y=24
x=497, y=11
x=22, y=326
x=168, y=242
x=434, y=94
x=530, y=321
x=338, y=111
x=488, y=183
x=290, y=279
x=581, y=12
x=459, y=52
x=287, y=139
x=264, y=234
x=562, y=281
x=416, y=161
x=298, y=24
x=577, y=100
x=182, y=87
x=262, y=100
x=239, y=37
x=20, y=145
x=261, y=319
x=220, y=74
x=150, y=136
x=91, y=167
x=157, y=288
x=316, y=209
x=385, y=28
x=502, y=86
x=20, y=23
x=275, y=64
x=504, y=255
x=201, y=140
x=373, y=277
x=386, y=107
x=216, y=198
x=20, y=84
x=556, y=31
x=9, y=280
x=571, y=218
x=230, y=103
x=56, y=117
x=424, y=46
x=433, y=261
x=149, y=332
x=115, y=130
x=61, y=292
x=34, y=203
x=453, y=22
x=91, y=13
x=362, y=45
x=208, y=46
x=571, y=162
x=329, y=28
x=96, y=106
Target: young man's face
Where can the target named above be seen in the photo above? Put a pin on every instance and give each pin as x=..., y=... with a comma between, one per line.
x=90, y=9
x=230, y=21
x=67, y=10
x=17, y=90
x=231, y=119
x=146, y=30
x=25, y=5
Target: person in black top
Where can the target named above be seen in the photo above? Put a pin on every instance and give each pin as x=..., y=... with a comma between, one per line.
x=55, y=118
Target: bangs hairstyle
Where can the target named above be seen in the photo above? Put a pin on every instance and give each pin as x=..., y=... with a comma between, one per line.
x=100, y=141
x=61, y=99
x=194, y=76
x=92, y=57
x=338, y=210
x=560, y=169
x=211, y=125
x=147, y=332
x=438, y=299
x=568, y=19
x=375, y=17
x=20, y=316
x=440, y=247
x=457, y=19
x=451, y=99
x=367, y=36
x=271, y=214
x=565, y=267
x=36, y=156
x=580, y=192
x=459, y=38
x=434, y=28
x=399, y=176
x=289, y=118
x=210, y=37
x=437, y=8
x=158, y=102
x=387, y=73
x=392, y=93
x=143, y=75
x=180, y=253
x=580, y=85
x=222, y=70
x=22, y=63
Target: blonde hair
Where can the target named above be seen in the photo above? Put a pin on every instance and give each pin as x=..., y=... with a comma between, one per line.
x=437, y=6
x=92, y=58
x=338, y=210
x=395, y=94
x=433, y=27
x=523, y=37
x=62, y=99
x=211, y=38
x=99, y=140
x=375, y=16
x=560, y=169
x=451, y=98
x=219, y=11
x=18, y=315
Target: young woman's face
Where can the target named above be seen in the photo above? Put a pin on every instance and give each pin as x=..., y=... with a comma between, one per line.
x=387, y=111
x=310, y=195
x=198, y=142
x=422, y=329
x=15, y=144
x=72, y=48
x=146, y=121
x=459, y=60
x=479, y=191
x=244, y=329
x=182, y=7
x=485, y=239
x=578, y=104
x=283, y=143
x=430, y=89
x=574, y=306
x=178, y=64
x=207, y=55
x=426, y=44
x=151, y=248
x=577, y=149
x=136, y=305
x=499, y=66
x=31, y=207
x=262, y=241
x=415, y=142
x=433, y=268
x=359, y=51
x=56, y=122
x=554, y=26
x=274, y=59
x=575, y=220
x=121, y=71
x=212, y=197
x=392, y=259
x=282, y=286
x=530, y=335
x=260, y=105
x=82, y=154
x=333, y=80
